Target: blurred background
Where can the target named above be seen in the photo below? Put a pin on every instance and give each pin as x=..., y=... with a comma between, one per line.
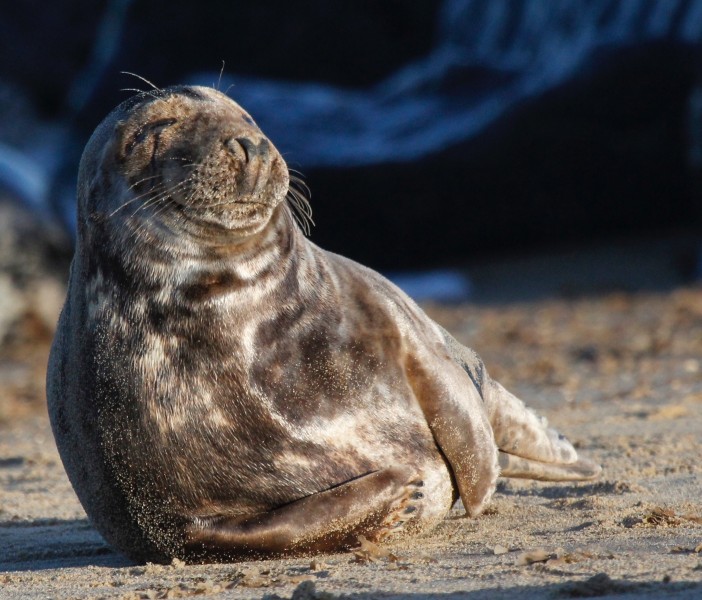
x=473, y=150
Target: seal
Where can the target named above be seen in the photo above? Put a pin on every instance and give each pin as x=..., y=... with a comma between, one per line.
x=219, y=387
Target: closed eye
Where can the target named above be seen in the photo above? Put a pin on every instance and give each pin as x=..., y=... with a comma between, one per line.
x=154, y=127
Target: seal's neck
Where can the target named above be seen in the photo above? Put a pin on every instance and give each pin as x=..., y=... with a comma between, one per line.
x=261, y=261
x=190, y=269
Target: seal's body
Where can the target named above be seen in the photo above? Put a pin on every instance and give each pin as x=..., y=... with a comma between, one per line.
x=221, y=387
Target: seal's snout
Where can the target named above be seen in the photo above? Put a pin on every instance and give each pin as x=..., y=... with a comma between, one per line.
x=251, y=149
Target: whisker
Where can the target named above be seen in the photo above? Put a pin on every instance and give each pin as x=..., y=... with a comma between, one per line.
x=298, y=199
x=128, y=202
x=301, y=186
x=142, y=78
x=192, y=164
x=147, y=92
x=164, y=205
x=136, y=183
x=219, y=81
x=158, y=192
x=158, y=197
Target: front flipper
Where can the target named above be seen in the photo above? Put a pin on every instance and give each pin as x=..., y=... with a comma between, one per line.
x=529, y=448
x=458, y=421
x=372, y=505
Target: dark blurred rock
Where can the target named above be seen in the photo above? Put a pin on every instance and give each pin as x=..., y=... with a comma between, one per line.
x=44, y=45
x=602, y=155
x=34, y=260
x=68, y=54
x=506, y=124
x=350, y=43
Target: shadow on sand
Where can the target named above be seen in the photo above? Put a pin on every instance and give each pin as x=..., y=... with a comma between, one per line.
x=598, y=586
x=42, y=544
x=39, y=544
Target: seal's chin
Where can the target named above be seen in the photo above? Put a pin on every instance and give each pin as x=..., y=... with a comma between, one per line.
x=232, y=220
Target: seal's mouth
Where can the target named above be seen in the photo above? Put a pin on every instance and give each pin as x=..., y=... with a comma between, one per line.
x=237, y=183
x=236, y=217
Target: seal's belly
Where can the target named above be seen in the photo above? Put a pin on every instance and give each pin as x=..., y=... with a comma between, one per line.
x=239, y=413
x=256, y=451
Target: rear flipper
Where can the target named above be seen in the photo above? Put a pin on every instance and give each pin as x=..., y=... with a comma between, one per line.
x=524, y=468
x=529, y=448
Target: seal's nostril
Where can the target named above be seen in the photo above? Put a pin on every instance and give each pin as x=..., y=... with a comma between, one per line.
x=263, y=148
x=239, y=148
x=250, y=149
x=248, y=146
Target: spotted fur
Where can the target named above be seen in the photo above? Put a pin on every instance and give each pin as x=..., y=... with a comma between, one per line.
x=219, y=386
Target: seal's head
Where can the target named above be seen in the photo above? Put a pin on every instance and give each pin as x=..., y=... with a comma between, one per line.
x=182, y=159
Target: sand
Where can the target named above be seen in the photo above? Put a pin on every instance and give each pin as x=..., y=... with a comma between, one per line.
x=620, y=375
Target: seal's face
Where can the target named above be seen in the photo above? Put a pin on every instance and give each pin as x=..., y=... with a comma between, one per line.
x=191, y=158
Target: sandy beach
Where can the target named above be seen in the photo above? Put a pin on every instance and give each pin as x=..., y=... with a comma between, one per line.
x=619, y=374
